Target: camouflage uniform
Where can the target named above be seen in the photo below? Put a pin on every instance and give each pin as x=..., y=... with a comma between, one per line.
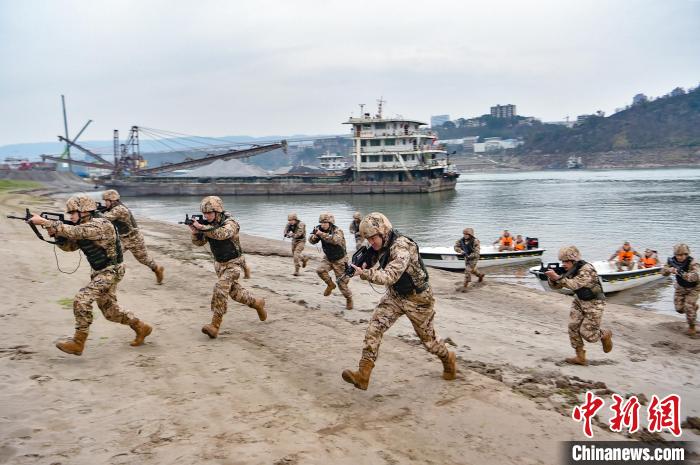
x=131, y=237
x=335, y=237
x=297, y=233
x=685, y=299
x=98, y=239
x=399, y=267
x=355, y=230
x=228, y=272
x=586, y=316
x=471, y=260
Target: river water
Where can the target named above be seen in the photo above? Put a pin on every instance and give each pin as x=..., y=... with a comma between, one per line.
x=594, y=210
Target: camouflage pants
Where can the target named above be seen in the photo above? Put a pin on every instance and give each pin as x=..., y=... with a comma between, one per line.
x=227, y=286
x=584, y=321
x=134, y=242
x=471, y=269
x=686, y=301
x=419, y=308
x=629, y=264
x=338, y=267
x=297, y=249
x=103, y=290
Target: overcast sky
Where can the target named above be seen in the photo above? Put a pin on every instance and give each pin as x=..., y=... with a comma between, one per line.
x=291, y=67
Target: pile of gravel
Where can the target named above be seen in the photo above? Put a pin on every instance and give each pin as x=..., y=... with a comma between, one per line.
x=227, y=168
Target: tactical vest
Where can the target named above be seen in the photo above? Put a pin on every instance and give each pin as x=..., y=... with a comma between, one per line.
x=585, y=293
x=683, y=266
x=405, y=285
x=356, y=228
x=125, y=227
x=333, y=251
x=467, y=247
x=224, y=250
x=97, y=256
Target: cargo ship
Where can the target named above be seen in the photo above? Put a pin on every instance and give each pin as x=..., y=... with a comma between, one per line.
x=389, y=155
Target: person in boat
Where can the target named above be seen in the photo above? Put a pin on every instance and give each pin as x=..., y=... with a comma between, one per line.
x=129, y=234
x=469, y=246
x=355, y=229
x=395, y=262
x=650, y=259
x=687, y=273
x=520, y=243
x=624, y=256
x=505, y=242
x=296, y=231
x=98, y=239
x=334, y=256
x=221, y=232
x=588, y=305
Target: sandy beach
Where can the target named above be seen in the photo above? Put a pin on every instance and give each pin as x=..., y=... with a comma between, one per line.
x=271, y=392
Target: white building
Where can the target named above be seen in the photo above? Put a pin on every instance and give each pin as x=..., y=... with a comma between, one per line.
x=496, y=144
x=332, y=162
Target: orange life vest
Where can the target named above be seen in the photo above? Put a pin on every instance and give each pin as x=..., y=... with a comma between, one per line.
x=625, y=255
x=520, y=246
x=507, y=241
x=649, y=262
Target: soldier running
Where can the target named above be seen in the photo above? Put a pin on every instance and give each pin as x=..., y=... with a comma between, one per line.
x=397, y=265
x=221, y=232
x=99, y=241
x=355, y=229
x=334, y=256
x=131, y=237
x=296, y=230
x=470, y=247
x=687, y=273
x=589, y=303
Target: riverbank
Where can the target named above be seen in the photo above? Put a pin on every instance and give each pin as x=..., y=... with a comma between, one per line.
x=271, y=392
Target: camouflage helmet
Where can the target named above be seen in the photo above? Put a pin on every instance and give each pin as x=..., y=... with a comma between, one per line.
x=80, y=203
x=570, y=253
x=292, y=217
x=326, y=218
x=357, y=216
x=469, y=231
x=375, y=223
x=110, y=194
x=211, y=203
x=680, y=249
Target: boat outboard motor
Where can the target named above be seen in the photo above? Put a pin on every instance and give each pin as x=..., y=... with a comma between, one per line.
x=532, y=243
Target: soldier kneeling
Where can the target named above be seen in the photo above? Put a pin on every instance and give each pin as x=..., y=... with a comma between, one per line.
x=396, y=263
x=588, y=305
x=98, y=239
x=221, y=232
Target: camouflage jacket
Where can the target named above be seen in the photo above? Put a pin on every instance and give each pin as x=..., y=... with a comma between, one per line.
x=692, y=275
x=300, y=234
x=476, y=250
x=355, y=229
x=336, y=238
x=229, y=229
x=403, y=257
x=99, y=230
x=122, y=218
x=586, y=277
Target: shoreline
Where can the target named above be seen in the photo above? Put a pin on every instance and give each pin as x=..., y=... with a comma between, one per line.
x=266, y=392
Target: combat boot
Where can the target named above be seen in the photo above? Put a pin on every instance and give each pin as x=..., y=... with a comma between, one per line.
x=481, y=277
x=606, y=340
x=142, y=331
x=212, y=329
x=259, y=306
x=449, y=366
x=348, y=303
x=330, y=285
x=359, y=378
x=580, y=358
x=304, y=261
x=74, y=345
x=691, y=330
x=159, y=271
x=296, y=270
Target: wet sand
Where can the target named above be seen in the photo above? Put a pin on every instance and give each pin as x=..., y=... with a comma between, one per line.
x=271, y=392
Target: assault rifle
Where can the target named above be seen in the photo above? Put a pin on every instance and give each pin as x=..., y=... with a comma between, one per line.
x=101, y=208
x=46, y=215
x=556, y=267
x=674, y=264
x=362, y=257
x=287, y=230
x=191, y=219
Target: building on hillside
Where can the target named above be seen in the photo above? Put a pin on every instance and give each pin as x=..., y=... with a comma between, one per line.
x=438, y=120
x=503, y=111
x=580, y=119
x=496, y=144
x=469, y=142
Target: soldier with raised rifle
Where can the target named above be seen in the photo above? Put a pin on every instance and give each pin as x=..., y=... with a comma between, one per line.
x=296, y=231
x=686, y=289
x=334, y=256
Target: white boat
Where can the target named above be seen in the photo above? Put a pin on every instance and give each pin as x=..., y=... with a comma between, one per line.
x=610, y=279
x=447, y=259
